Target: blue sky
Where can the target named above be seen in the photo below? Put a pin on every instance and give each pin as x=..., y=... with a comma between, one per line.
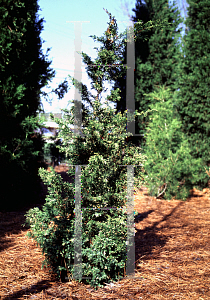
x=59, y=35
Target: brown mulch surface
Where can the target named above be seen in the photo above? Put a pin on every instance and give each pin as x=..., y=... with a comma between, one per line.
x=172, y=255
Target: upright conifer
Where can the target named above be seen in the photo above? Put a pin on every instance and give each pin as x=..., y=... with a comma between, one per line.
x=103, y=206
x=24, y=70
x=193, y=81
x=156, y=55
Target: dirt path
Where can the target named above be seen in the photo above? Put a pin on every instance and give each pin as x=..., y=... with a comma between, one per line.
x=172, y=256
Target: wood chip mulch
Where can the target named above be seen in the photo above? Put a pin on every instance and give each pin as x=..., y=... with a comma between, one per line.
x=172, y=243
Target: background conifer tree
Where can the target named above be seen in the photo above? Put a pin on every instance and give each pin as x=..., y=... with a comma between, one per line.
x=171, y=170
x=193, y=81
x=156, y=55
x=24, y=71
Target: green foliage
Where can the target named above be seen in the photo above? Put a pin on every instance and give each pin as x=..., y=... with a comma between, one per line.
x=24, y=71
x=51, y=151
x=156, y=55
x=193, y=81
x=102, y=148
x=171, y=170
x=53, y=224
x=102, y=186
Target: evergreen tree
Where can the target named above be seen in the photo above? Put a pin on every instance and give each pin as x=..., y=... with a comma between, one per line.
x=24, y=71
x=156, y=55
x=103, y=150
x=193, y=81
x=121, y=81
x=171, y=170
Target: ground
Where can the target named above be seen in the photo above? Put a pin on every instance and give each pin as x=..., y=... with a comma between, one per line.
x=172, y=255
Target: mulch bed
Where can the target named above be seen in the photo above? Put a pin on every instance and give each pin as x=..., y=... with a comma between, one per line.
x=172, y=255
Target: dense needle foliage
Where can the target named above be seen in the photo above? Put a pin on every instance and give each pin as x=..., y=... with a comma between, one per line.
x=171, y=169
x=103, y=155
x=193, y=82
x=24, y=70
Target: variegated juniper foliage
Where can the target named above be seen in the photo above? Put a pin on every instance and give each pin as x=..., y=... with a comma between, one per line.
x=103, y=150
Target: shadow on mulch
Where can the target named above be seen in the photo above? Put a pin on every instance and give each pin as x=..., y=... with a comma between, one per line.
x=11, y=221
x=34, y=289
x=147, y=239
x=171, y=248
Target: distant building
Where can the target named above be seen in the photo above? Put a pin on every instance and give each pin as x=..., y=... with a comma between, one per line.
x=51, y=128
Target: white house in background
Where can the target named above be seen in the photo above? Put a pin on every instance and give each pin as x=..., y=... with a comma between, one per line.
x=51, y=128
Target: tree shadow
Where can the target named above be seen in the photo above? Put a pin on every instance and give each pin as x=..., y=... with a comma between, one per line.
x=147, y=239
x=11, y=221
x=33, y=290
x=140, y=217
x=10, y=224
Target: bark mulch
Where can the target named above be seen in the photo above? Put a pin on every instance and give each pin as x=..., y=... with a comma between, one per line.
x=172, y=255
